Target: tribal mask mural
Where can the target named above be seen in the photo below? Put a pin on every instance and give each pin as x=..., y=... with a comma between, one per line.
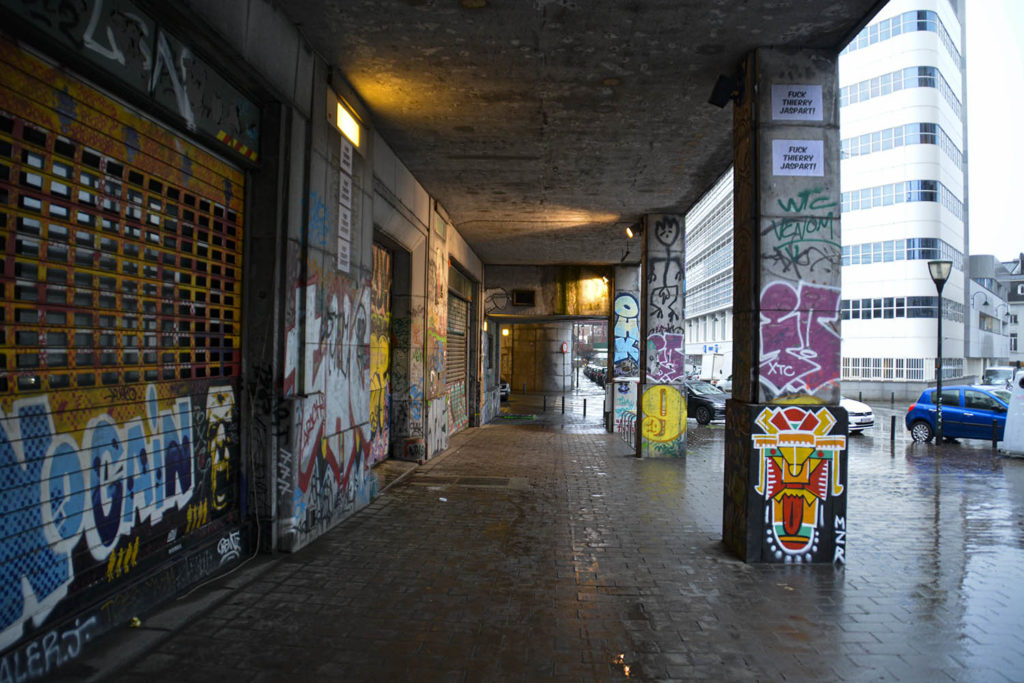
x=799, y=469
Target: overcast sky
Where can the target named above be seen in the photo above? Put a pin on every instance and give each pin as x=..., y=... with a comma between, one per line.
x=995, y=126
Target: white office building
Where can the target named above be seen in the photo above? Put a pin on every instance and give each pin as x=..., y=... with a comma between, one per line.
x=904, y=183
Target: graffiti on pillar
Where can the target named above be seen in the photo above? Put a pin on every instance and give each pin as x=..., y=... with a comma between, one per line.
x=437, y=426
x=799, y=469
x=804, y=241
x=665, y=278
x=799, y=340
x=627, y=335
x=437, y=318
x=663, y=426
x=380, y=356
x=666, y=357
x=624, y=403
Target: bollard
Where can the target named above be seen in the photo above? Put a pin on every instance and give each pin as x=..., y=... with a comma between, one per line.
x=524, y=387
x=584, y=407
x=860, y=395
x=892, y=399
x=545, y=403
x=892, y=429
x=995, y=434
x=563, y=404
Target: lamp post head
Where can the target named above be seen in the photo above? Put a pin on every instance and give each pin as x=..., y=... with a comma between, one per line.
x=939, y=270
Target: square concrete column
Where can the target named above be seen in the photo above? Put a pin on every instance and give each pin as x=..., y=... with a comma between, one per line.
x=785, y=469
x=662, y=399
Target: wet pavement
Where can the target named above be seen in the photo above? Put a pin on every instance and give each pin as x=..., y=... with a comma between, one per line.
x=538, y=548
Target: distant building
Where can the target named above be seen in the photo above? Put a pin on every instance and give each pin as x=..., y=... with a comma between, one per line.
x=904, y=181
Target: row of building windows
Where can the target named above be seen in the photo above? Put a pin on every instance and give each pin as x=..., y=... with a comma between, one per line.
x=913, y=249
x=896, y=369
x=910, y=134
x=910, y=77
x=710, y=295
x=908, y=22
x=902, y=192
x=892, y=307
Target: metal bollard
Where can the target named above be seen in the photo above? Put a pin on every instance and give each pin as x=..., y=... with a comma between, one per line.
x=892, y=399
x=892, y=429
x=584, y=407
x=563, y=404
x=545, y=403
x=995, y=434
x=860, y=395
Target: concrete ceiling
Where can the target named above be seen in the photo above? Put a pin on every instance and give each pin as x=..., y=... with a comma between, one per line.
x=544, y=127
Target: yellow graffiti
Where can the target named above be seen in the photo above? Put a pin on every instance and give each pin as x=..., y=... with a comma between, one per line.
x=122, y=561
x=664, y=413
x=197, y=516
x=797, y=400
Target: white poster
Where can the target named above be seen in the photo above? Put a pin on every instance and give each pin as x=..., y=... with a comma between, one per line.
x=344, y=223
x=346, y=156
x=796, y=103
x=1013, y=435
x=798, y=157
x=345, y=191
x=344, y=257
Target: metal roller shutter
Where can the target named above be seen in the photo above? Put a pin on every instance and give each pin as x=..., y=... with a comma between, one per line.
x=121, y=277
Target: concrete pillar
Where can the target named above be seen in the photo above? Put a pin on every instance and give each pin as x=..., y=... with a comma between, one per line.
x=625, y=335
x=785, y=464
x=662, y=409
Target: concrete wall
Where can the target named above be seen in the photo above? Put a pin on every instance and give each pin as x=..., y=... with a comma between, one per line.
x=537, y=361
x=557, y=290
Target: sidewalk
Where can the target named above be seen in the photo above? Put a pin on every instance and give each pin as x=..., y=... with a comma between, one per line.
x=541, y=550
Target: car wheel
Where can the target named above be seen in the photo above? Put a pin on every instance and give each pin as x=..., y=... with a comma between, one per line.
x=703, y=415
x=921, y=431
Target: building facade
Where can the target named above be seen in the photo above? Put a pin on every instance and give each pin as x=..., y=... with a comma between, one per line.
x=904, y=179
x=904, y=185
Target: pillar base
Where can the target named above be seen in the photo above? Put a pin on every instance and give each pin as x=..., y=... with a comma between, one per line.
x=785, y=483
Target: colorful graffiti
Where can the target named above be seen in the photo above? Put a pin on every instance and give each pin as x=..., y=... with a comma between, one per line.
x=98, y=477
x=380, y=355
x=800, y=342
x=458, y=419
x=799, y=469
x=624, y=398
x=626, y=331
x=437, y=318
x=123, y=40
x=666, y=357
x=663, y=421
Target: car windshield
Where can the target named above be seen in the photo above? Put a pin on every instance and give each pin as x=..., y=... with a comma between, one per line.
x=996, y=375
x=703, y=388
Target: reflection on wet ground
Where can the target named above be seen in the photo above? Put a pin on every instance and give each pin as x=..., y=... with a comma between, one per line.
x=541, y=549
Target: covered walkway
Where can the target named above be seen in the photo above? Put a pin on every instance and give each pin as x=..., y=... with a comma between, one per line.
x=539, y=549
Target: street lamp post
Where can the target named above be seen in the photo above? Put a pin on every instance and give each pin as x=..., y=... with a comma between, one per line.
x=939, y=271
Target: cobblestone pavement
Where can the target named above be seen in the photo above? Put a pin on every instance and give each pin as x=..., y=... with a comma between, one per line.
x=539, y=549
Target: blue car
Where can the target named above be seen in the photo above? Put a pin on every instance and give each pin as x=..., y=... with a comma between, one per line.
x=967, y=413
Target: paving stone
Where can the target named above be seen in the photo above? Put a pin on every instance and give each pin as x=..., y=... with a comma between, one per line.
x=587, y=560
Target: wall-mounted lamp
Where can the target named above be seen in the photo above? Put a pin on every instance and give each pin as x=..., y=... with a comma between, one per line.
x=504, y=332
x=974, y=304
x=726, y=88
x=485, y=326
x=633, y=230
x=347, y=123
x=605, y=278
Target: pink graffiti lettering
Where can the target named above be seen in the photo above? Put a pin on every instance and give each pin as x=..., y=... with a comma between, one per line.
x=666, y=357
x=799, y=338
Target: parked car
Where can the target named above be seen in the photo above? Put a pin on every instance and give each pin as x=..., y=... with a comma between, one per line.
x=967, y=413
x=725, y=384
x=997, y=377
x=861, y=415
x=504, y=390
x=704, y=402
